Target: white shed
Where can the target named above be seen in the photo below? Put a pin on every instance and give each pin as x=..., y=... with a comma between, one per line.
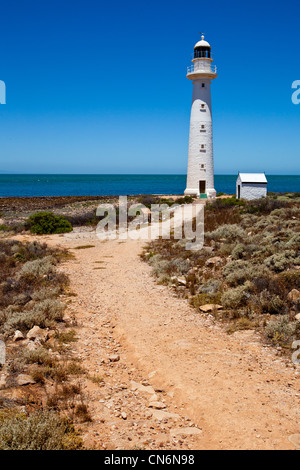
x=251, y=186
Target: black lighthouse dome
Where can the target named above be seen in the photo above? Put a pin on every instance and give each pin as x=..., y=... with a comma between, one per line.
x=202, y=49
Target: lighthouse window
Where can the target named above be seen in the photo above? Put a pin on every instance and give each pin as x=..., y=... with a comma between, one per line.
x=202, y=128
x=203, y=85
x=202, y=166
x=203, y=107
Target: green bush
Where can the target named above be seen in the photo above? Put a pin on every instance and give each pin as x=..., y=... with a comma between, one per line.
x=46, y=223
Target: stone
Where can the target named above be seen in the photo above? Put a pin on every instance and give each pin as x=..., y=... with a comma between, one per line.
x=210, y=307
x=142, y=388
x=179, y=280
x=293, y=295
x=32, y=346
x=157, y=405
x=190, y=431
x=37, y=333
x=297, y=316
x=208, y=249
x=3, y=378
x=114, y=358
x=160, y=415
x=124, y=415
x=18, y=336
x=215, y=261
x=295, y=439
x=24, y=379
x=154, y=398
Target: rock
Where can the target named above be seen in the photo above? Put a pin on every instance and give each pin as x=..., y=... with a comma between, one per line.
x=160, y=415
x=142, y=388
x=295, y=439
x=192, y=271
x=32, y=346
x=124, y=415
x=179, y=280
x=24, y=379
x=114, y=358
x=210, y=307
x=185, y=431
x=18, y=336
x=153, y=398
x=152, y=374
x=297, y=316
x=208, y=249
x=215, y=261
x=3, y=378
x=293, y=295
x=157, y=405
x=37, y=333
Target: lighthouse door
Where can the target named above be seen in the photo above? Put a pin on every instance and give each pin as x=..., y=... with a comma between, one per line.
x=202, y=186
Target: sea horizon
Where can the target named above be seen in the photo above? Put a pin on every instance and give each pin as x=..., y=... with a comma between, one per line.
x=66, y=184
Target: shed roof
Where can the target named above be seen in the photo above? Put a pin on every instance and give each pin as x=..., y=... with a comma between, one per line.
x=253, y=178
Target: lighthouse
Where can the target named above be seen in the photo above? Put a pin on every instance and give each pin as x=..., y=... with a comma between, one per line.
x=200, y=174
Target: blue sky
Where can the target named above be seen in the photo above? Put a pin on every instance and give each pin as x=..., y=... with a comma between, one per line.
x=100, y=87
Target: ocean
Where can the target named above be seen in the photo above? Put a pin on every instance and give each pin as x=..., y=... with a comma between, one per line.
x=98, y=185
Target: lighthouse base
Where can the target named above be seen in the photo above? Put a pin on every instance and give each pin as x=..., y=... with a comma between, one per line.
x=211, y=193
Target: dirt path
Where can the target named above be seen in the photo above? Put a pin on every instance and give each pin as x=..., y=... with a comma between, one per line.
x=214, y=391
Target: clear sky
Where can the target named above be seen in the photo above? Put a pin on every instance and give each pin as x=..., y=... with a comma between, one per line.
x=100, y=86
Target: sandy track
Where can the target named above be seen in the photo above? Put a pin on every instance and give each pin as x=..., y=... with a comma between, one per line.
x=238, y=392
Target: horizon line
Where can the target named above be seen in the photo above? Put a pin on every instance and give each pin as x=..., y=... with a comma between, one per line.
x=4, y=173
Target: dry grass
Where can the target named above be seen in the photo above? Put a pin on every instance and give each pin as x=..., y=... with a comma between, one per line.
x=30, y=288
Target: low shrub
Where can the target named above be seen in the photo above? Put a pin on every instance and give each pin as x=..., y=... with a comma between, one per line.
x=290, y=279
x=38, y=431
x=237, y=272
x=48, y=223
x=272, y=304
x=264, y=206
x=281, y=331
x=283, y=260
x=224, y=203
x=230, y=232
x=43, y=314
x=202, y=299
x=86, y=219
x=238, y=297
x=241, y=324
x=37, y=268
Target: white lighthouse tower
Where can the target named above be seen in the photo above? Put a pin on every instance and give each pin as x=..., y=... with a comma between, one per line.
x=200, y=174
